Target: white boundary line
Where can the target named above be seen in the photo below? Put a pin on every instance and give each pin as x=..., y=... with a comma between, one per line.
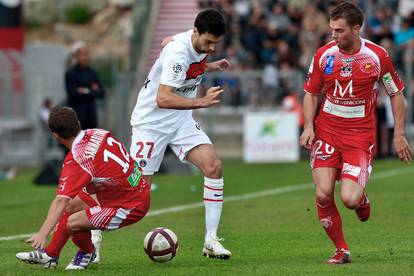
x=269, y=192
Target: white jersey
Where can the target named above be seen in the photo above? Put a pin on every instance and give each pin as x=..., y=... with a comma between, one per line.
x=179, y=66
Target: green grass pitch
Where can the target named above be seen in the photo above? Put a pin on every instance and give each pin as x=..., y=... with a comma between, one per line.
x=275, y=232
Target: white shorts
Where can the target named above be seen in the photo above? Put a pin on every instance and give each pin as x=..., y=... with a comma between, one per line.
x=148, y=143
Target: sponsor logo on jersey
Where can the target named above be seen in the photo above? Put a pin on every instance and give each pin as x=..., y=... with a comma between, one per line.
x=198, y=126
x=186, y=89
x=343, y=111
x=342, y=92
x=346, y=69
x=389, y=83
x=351, y=169
x=323, y=157
x=177, y=68
x=329, y=65
x=135, y=176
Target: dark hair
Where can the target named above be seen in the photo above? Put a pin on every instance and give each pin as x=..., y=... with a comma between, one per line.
x=210, y=21
x=348, y=11
x=64, y=122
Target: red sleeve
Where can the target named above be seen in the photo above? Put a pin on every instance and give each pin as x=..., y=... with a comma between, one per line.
x=389, y=77
x=314, y=78
x=72, y=178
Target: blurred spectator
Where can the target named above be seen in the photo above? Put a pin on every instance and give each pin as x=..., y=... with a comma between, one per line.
x=44, y=113
x=270, y=80
x=405, y=34
x=286, y=33
x=43, y=118
x=83, y=87
x=291, y=103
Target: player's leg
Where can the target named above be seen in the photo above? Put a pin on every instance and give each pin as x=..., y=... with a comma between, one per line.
x=50, y=255
x=355, y=173
x=324, y=161
x=79, y=228
x=328, y=214
x=206, y=159
x=96, y=234
x=192, y=144
x=103, y=218
x=148, y=148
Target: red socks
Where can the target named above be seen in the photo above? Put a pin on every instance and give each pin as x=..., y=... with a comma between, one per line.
x=83, y=241
x=59, y=238
x=331, y=221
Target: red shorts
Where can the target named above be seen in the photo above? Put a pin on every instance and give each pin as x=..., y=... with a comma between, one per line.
x=352, y=158
x=111, y=218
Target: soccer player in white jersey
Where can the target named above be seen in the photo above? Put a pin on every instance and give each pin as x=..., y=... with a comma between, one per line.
x=163, y=115
x=347, y=71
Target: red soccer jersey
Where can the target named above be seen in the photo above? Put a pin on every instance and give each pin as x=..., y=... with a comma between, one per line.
x=100, y=164
x=350, y=85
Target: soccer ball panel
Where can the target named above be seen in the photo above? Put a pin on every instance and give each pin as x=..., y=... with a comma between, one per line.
x=161, y=244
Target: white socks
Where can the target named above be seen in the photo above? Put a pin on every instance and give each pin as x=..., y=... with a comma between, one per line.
x=213, y=202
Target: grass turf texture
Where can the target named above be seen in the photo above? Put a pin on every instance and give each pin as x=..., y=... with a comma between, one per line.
x=271, y=235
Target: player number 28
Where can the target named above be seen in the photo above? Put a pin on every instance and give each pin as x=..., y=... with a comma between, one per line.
x=110, y=155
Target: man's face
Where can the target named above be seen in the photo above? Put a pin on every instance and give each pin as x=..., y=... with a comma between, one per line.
x=343, y=34
x=206, y=42
x=82, y=56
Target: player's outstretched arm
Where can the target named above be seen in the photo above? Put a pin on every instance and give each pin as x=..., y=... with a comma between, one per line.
x=401, y=145
x=167, y=98
x=310, y=103
x=57, y=207
x=218, y=65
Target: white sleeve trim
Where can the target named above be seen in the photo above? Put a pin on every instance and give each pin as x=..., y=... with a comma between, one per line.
x=64, y=196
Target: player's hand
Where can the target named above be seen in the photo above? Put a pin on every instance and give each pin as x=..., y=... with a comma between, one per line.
x=37, y=240
x=212, y=96
x=307, y=137
x=218, y=65
x=402, y=148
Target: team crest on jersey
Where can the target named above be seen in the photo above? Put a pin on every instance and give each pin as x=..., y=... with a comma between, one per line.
x=367, y=67
x=346, y=69
x=142, y=163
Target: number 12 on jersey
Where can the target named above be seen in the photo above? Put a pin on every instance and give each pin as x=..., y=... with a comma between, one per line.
x=111, y=155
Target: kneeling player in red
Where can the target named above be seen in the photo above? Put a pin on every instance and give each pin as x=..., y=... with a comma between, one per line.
x=348, y=71
x=100, y=187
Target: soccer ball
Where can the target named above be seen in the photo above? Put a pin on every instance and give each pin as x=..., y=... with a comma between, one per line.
x=161, y=244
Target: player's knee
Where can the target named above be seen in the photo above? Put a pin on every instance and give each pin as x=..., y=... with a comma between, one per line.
x=323, y=198
x=350, y=200
x=70, y=209
x=213, y=169
x=72, y=226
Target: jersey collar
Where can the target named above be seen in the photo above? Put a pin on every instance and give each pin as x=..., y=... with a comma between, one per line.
x=78, y=138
